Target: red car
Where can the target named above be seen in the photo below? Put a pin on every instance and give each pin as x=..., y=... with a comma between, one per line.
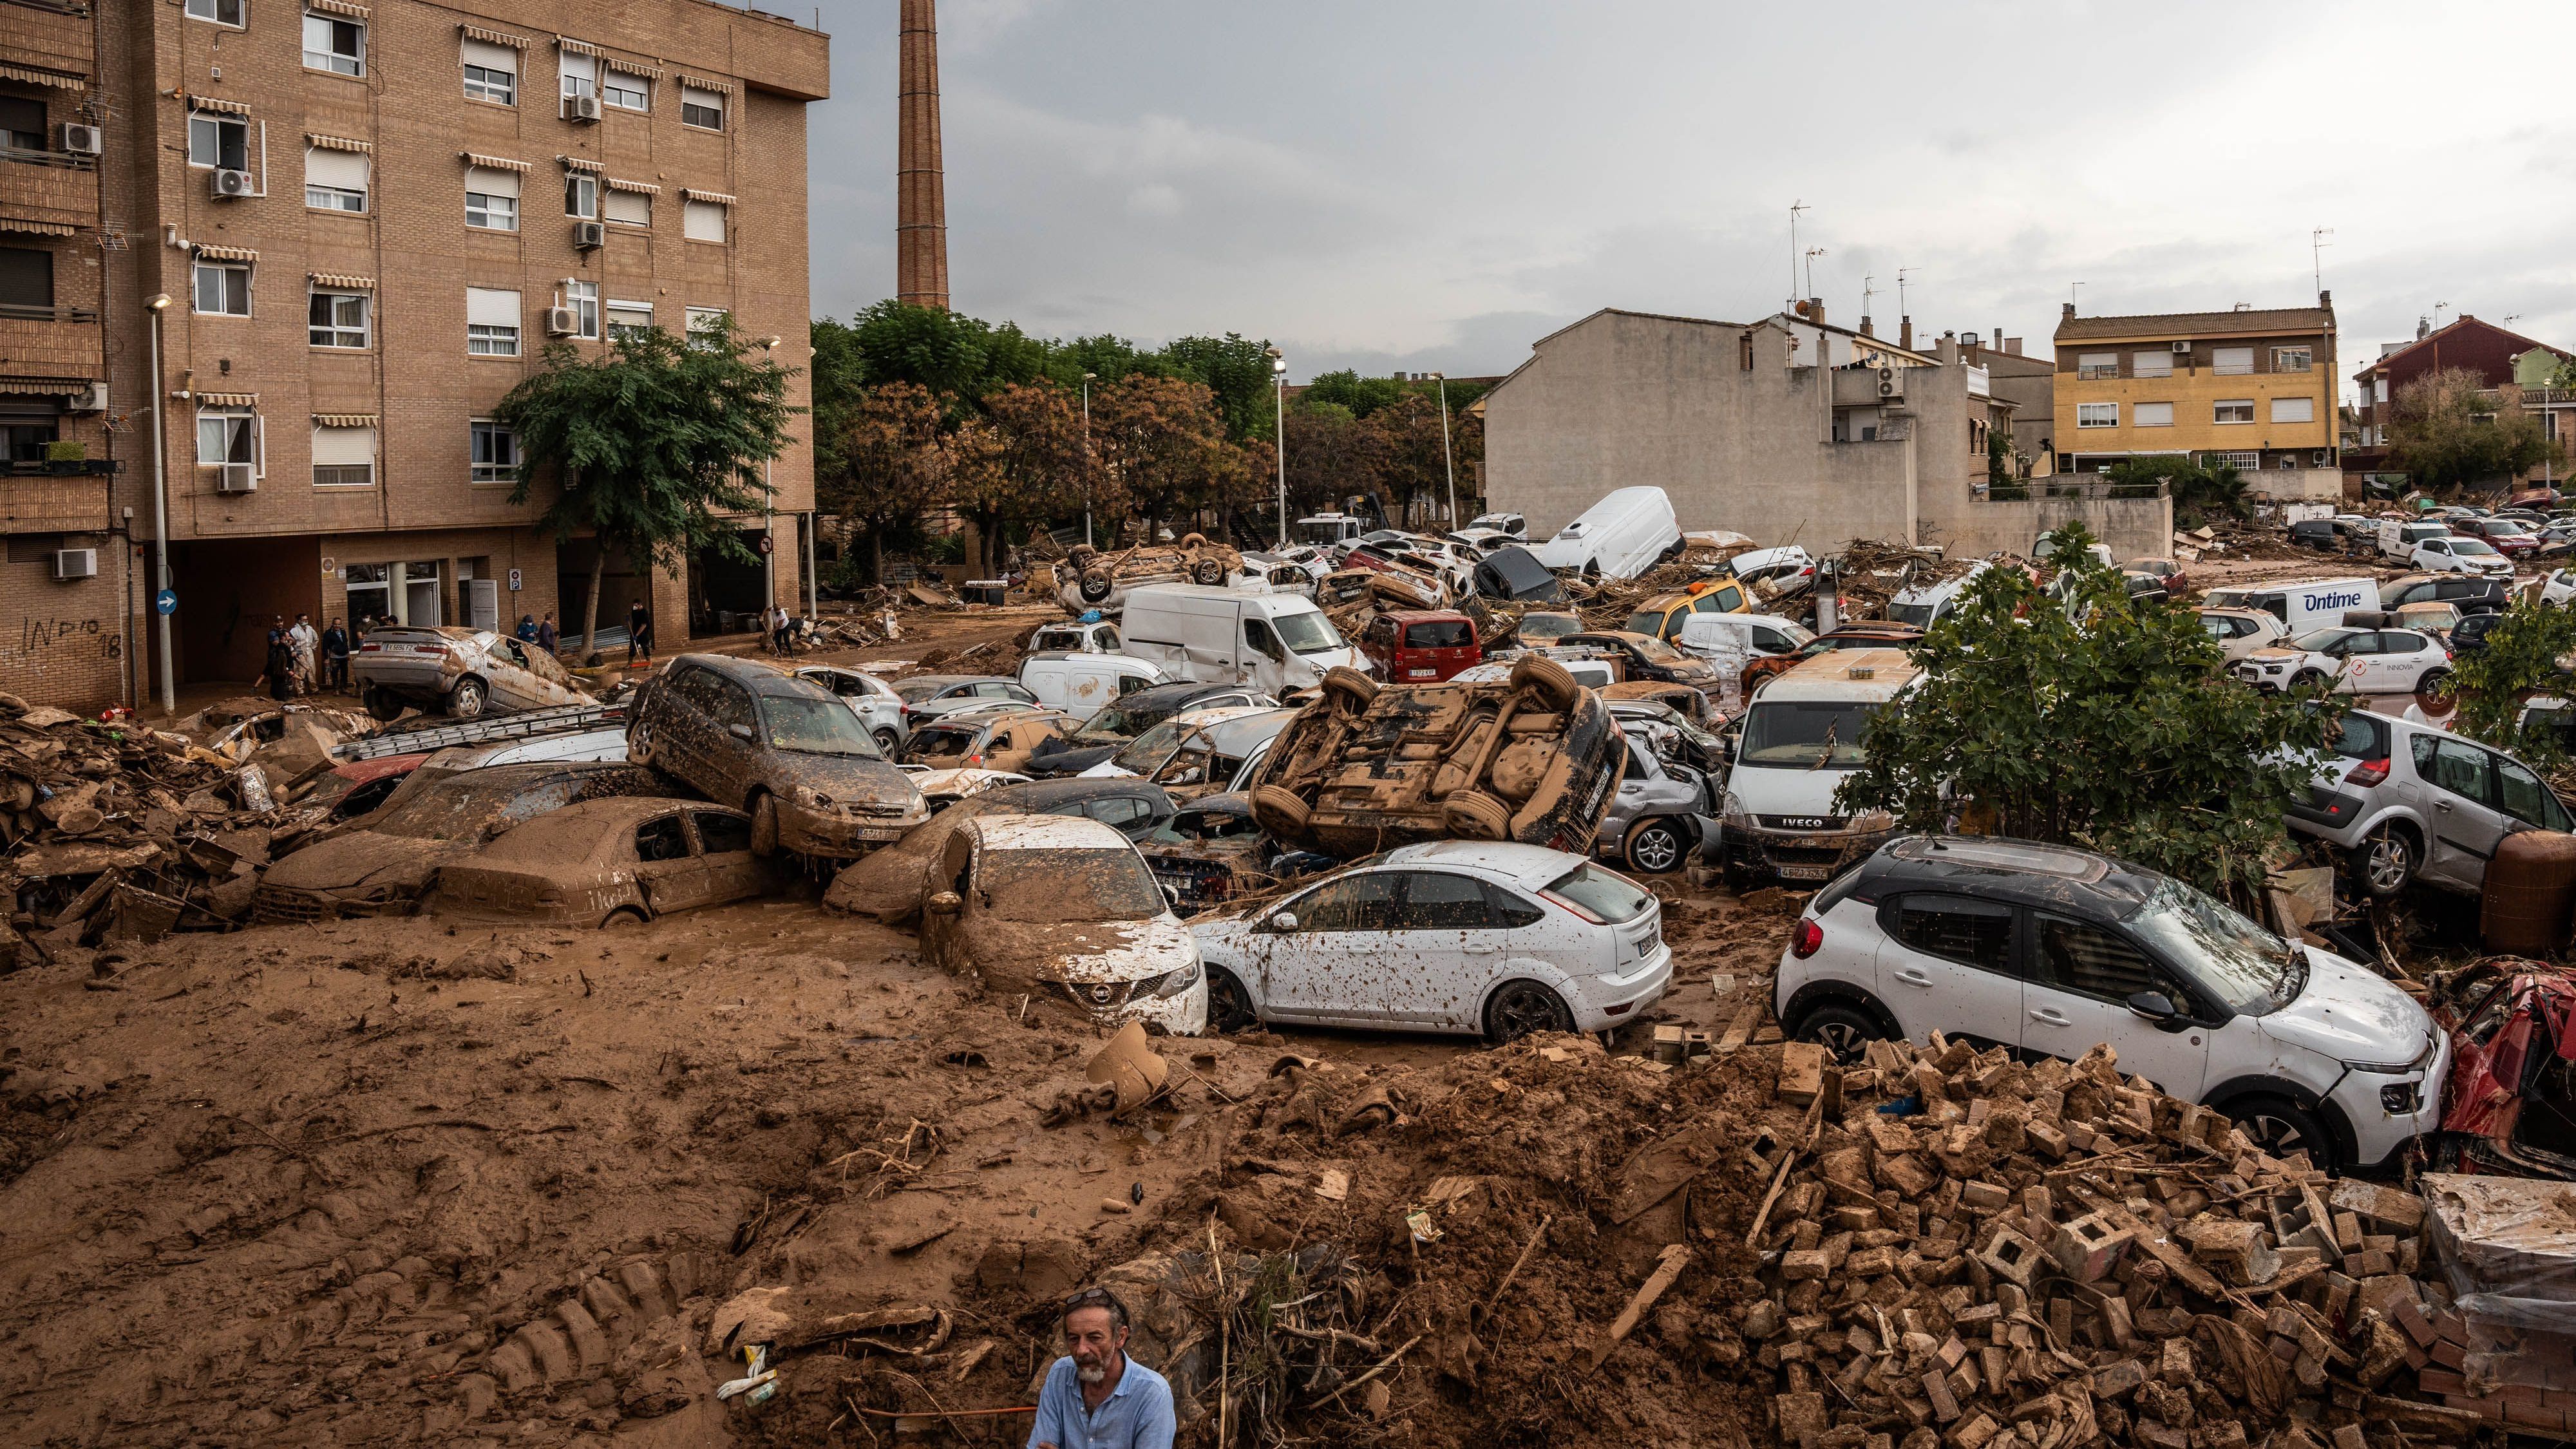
x=1421, y=646
x=2508, y=536
x=2510, y=1103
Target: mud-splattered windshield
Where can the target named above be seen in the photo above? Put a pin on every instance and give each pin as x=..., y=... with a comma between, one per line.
x=815, y=727
x=1046, y=886
x=1307, y=633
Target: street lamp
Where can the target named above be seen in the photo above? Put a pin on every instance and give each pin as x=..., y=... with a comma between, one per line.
x=1447, y=463
x=1279, y=386
x=1087, y=379
x=158, y=303
x=769, y=503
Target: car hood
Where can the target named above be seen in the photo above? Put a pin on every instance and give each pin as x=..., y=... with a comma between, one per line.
x=1055, y=764
x=1081, y=953
x=2351, y=1014
x=2275, y=654
x=1786, y=792
x=362, y=858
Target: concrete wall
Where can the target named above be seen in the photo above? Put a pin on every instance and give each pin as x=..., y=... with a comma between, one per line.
x=2296, y=485
x=2133, y=527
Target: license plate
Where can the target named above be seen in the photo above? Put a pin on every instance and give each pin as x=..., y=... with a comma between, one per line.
x=1806, y=872
x=881, y=832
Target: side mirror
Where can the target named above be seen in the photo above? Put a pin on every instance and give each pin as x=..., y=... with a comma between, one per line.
x=1284, y=921
x=2157, y=1007
x=943, y=903
x=741, y=732
x=1171, y=893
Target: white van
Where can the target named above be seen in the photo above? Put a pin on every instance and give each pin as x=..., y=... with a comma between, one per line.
x=1324, y=530
x=1929, y=604
x=1619, y=537
x=1753, y=636
x=1079, y=684
x=1802, y=738
x=2398, y=537
x=1273, y=642
x=2302, y=604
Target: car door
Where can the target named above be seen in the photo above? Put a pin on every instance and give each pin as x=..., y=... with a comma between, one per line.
x=733, y=765
x=1332, y=966
x=668, y=868
x=731, y=871
x=1453, y=944
x=2360, y=663
x=2080, y=978
x=681, y=712
x=2460, y=806
x=1947, y=964
x=2403, y=655
x=513, y=679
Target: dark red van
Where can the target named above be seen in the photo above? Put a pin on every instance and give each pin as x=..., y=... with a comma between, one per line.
x=1421, y=646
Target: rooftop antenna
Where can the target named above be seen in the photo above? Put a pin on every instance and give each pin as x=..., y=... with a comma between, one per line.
x=1812, y=254
x=2070, y=292
x=1900, y=289
x=2317, y=245
x=1794, y=208
x=1866, y=292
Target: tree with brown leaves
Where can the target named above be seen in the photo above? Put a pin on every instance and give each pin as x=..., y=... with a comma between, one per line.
x=1021, y=462
x=884, y=465
x=1162, y=442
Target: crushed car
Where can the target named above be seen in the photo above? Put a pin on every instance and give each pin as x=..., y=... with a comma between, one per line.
x=1534, y=757
x=454, y=671
x=985, y=739
x=1130, y=715
x=1087, y=579
x=1212, y=851
x=606, y=863
x=1200, y=751
x=2510, y=1103
x=890, y=883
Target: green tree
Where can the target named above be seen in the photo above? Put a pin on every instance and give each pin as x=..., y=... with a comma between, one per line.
x=2448, y=431
x=1360, y=396
x=2200, y=489
x=2121, y=733
x=2525, y=654
x=651, y=446
x=1236, y=371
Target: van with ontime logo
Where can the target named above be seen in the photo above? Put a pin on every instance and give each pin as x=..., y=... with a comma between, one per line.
x=2301, y=605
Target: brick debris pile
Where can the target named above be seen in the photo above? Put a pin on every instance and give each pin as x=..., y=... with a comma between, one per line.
x=2053, y=1256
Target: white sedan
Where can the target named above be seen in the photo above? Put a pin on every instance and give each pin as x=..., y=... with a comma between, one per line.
x=2461, y=556
x=2355, y=661
x=2560, y=588
x=1451, y=936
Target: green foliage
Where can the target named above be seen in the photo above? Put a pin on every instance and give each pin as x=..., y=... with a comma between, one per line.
x=1999, y=466
x=2121, y=734
x=66, y=452
x=2199, y=488
x=2448, y=432
x=2521, y=658
x=1234, y=368
x=1359, y=396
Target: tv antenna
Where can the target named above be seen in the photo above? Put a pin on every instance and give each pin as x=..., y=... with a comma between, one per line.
x=1812, y=254
x=2317, y=245
x=1794, y=208
x=1900, y=288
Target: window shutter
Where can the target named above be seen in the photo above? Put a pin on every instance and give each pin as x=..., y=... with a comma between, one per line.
x=491, y=182
x=487, y=307
x=343, y=447
x=2294, y=410
x=630, y=206
x=491, y=57
x=335, y=168
x=703, y=221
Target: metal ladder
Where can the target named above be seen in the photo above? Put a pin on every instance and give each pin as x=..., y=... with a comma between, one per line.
x=518, y=726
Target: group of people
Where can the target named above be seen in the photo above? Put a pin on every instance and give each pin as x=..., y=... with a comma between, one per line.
x=303, y=660
x=540, y=632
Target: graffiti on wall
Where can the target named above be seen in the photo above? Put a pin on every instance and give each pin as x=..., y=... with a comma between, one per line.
x=74, y=638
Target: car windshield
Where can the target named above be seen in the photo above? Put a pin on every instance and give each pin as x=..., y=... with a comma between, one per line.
x=1917, y=615
x=2321, y=640
x=462, y=807
x=1599, y=893
x=1439, y=634
x=1117, y=724
x=1645, y=621
x=1043, y=887
x=1146, y=753
x=2248, y=967
x=2469, y=545
x=1804, y=735
x=945, y=742
x=815, y=727
x=1547, y=628
x=1308, y=633
x=1656, y=649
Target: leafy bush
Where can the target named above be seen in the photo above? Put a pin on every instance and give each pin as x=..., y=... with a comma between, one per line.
x=2521, y=658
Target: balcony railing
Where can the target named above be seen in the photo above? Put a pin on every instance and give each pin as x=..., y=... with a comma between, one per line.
x=58, y=7
x=2050, y=488
x=60, y=467
x=34, y=156
x=32, y=312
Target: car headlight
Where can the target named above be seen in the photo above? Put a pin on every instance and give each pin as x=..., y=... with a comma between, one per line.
x=1732, y=811
x=1170, y=983
x=808, y=797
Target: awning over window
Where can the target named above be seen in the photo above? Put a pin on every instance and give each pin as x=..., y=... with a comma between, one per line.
x=337, y=7
x=38, y=228
x=340, y=143
x=226, y=254
x=575, y=163
x=44, y=386
x=496, y=163
x=492, y=37
x=647, y=187
x=210, y=103
x=344, y=420
x=704, y=84
x=578, y=47
x=718, y=197
x=223, y=399
x=345, y=280
x=35, y=77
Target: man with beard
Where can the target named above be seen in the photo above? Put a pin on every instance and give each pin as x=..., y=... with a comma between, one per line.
x=1096, y=1397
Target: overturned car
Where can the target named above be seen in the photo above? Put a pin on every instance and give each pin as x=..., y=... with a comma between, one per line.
x=2510, y=1103
x=1089, y=579
x=1534, y=757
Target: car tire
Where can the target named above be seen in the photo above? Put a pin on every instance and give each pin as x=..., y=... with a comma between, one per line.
x=1080, y=554
x=621, y=918
x=639, y=745
x=2436, y=684
x=1552, y=682
x=1841, y=1030
x=1475, y=815
x=383, y=708
x=888, y=742
x=1656, y=846
x=2387, y=861
x=1278, y=809
x=764, y=825
x=2307, y=677
x=1207, y=573
x=1518, y=1008
x=1349, y=688
x=1096, y=584
x=2280, y=1126
x=465, y=701
x=1229, y=1005
x=1193, y=540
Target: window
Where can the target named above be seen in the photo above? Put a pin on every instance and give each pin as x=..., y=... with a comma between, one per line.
x=344, y=457
x=496, y=453
x=2292, y=359
x=720, y=834
x=26, y=282
x=22, y=124
x=218, y=140
x=2233, y=410
x=631, y=208
x=2228, y=361
x=625, y=319
x=1954, y=928
x=1438, y=901
x=491, y=198
x=625, y=91
x=2151, y=364
x=228, y=435
x=2294, y=410
x=337, y=319
x=491, y=73
x=2526, y=799
x=581, y=195
x=583, y=299
x=335, y=45
x=2097, y=364
x=702, y=108
x=223, y=288
x=2379, y=390
x=2151, y=415
x=661, y=840
x=2090, y=961
x=703, y=220
x=2241, y=462
x=1351, y=903
x=335, y=180
x=222, y=12
x=580, y=75
x=2097, y=415
x=705, y=323
x=491, y=322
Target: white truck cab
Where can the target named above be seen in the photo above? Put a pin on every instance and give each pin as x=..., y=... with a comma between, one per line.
x=1802, y=738
x=2398, y=537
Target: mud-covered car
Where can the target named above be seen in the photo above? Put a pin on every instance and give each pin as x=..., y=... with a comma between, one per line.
x=382, y=863
x=786, y=753
x=1198, y=751
x=2510, y=1103
x=1130, y=715
x=890, y=883
x=1646, y=658
x=460, y=672
x=986, y=739
x=606, y=863
x=943, y=788
x=1089, y=579
x=1212, y=851
x=1066, y=907
x=1534, y=758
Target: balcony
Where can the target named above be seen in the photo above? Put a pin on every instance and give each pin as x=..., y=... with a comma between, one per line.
x=28, y=312
x=2052, y=488
x=48, y=193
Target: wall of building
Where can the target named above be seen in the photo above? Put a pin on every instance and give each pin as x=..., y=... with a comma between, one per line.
x=2131, y=527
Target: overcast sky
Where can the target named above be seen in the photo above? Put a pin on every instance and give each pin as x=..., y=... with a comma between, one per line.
x=1436, y=184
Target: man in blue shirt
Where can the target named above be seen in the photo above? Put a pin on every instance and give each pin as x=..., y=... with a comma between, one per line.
x=1096, y=1397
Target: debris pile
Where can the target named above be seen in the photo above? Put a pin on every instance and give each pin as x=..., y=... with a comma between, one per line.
x=2503, y=1348
x=1869, y=572
x=1606, y=603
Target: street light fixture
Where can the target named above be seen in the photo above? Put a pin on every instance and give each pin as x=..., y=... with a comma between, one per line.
x=1279, y=387
x=769, y=502
x=1448, y=464
x=158, y=303
x=1087, y=379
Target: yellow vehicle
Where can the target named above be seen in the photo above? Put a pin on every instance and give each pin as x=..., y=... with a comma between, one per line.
x=1662, y=617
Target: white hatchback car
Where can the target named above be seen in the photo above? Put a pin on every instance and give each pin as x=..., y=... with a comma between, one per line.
x=2455, y=555
x=2050, y=950
x=1448, y=936
x=2353, y=661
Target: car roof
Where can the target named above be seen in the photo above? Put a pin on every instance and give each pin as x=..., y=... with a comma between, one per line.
x=1834, y=676
x=1041, y=794
x=1182, y=690
x=1420, y=616
x=2026, y=872
x=945, y=680
x=1526, y=865
x=2232, y=612
x=1231, y=802
x=749, y=671
x=1622, y=635
x=1045, y=832
x=1199, y=719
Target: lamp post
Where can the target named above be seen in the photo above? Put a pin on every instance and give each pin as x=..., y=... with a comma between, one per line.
x=1448, y=464
x=1086, y=458
x=160, y=302
x=769, y=505
x=1279, y=388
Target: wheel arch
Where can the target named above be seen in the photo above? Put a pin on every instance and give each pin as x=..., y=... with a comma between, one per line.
x=1839, y=993
x=1517, y=969
x=2235, y=1091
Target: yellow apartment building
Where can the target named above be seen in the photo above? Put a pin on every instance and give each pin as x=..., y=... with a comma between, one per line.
x=2253, y=386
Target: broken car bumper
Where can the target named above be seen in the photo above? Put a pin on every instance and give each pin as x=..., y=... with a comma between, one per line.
x=1603, y=1002
x=2390, y=1110
x=838, y=831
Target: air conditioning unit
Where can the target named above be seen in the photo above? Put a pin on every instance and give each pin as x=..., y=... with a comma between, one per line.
x=1887, y=384
x=77, y=139
x=92, y=401
x=581, y=108
x=229, y=184
x=2321, y=459
x=236, y=478
x=562, y=322
x=589, y=235
x=75, y=563
x=2182, y=349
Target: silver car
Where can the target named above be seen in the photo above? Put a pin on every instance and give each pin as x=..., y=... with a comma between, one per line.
x=2407, y=802
x=1663, y=810
x=461, y=672
x=873, y=700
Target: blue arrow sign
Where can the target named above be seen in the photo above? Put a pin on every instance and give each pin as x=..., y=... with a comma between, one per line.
x=166, y=601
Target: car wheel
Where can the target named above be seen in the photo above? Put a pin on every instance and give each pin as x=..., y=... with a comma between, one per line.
x=2306, y=678
x=1280, y=811
x=1842, y=1030
x=639, y=745
x=2387, y=861
x=382, y=707
x=621, y=918
x=1553, y=683
x=466, y=700
x=1522, y=1007
x=1207, y=573
x=888, y=742
x=1229, y=1005
x=1349, y=688
x=1475, y=815
x=764, y=826
x=1656, y=846
x=1096, y=584
x=2436, y=684
x=1193, y=540
x=2280, y=1127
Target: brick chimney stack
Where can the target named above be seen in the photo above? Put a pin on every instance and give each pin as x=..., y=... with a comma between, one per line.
x=921, y=204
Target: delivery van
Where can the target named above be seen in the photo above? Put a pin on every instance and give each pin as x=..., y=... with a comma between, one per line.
x=1080, y=683
x=2302, y=604
x=2398, y=537
x=1273, y=642
x=1620, y=537
x=1801, y=740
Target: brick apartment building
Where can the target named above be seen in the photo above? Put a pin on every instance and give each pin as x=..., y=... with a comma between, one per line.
x=2501, y=359
x=2254, y=387
x=368, y=219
